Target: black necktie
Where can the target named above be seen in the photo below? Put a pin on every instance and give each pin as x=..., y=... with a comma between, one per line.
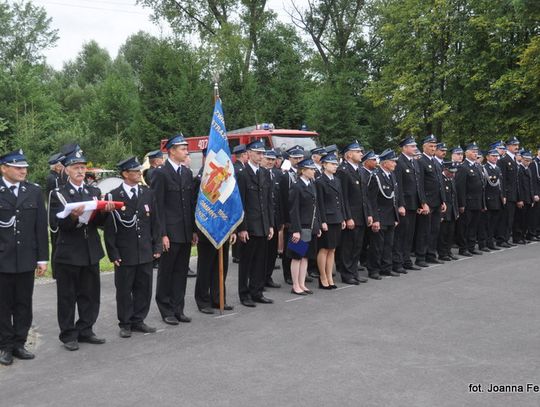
x=80, y=191
x=12, y=189
x=133, y=194
x=179, y=170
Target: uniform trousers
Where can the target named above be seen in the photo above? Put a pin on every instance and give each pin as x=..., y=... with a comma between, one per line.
x=482, y=234
x=207, y=283
x=427, y=233
x=172, y=279
x=133, y=293
x=54, y=237
x=472, y=220
x=348, y=253
x=504, y=229
x=252, y=268
x=271, y=255
x=286, y=260
x=446, y=238
x=403, y=240
x=522, y=223
x=16, y=291
x=494, y=218
x=380, y=250
x=77, y=286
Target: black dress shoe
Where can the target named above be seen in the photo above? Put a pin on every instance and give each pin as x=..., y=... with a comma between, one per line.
x=226, y=307
x=271, y=284
x=361, y=268
x=475, y=252
x=333, y=287
x=465, y=253
x=453, y=257
x=445, y=258
x=400, y=270
x=206, y=310
x=263, y=300
x=351, y=281
x=92, y=339
x=6, y=357
x=142, y=327
x=494, y=248
x=183, y=318
x=21, y=353
x=308, y=291
x=71, y=345
x=361, y=279
x=125, y=333
x=298, y=293
x=391, y=274
x=171, y=320
x=434, y=261
x=248, y=303
x=288, y=281
x=191, y=273
x=511, y=244
x=375, y=277
x=314, y=274
x=485, y=250
x=421, y=263
x=411, y=267
x=504, y=245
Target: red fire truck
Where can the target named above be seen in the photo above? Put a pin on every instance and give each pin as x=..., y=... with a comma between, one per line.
x=282, y=139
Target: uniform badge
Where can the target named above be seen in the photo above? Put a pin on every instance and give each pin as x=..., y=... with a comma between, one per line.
x=429, y=166
x=472, y=172
x=123, y=208
x=2, y=189
x=407, y=170
x=147, y=209
x=357, y=182
x=85, y=191
x=23, y=188
x=72, y=192
x=509, y=163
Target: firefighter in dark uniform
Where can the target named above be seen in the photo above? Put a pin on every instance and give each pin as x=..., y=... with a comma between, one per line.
x=207, y=283
x=239, y=165
x=174, y=189
x=535, y=172
x=55, y=179
x=156, y=161
x=275, y=177
x=382, y=192
x=411, y=201
x=77, y=255
x=494, y=194
x=470, y=195
x=317, y=154
x=449, y=218
x=133, y=241
x=256, y=228
x=509, y=170
x=369, y=163
x=295, y=154
x=358, y=215
x=23, y=250
x=528, y=196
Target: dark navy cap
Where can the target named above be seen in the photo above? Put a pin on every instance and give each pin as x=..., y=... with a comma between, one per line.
x=270, y=154
x=68, y=148
x=74, y=157
x=370, y=155
x=55, y=158
x=176, y=140
x=354, y=146
x=296, y=152
x=14, y=159
x=481, y=153
x=429, y=139
x=407, y=141
x=493, y=151
x=318, y=151
x=442, y=147
x=129, y=164
x=512, y=141
x=457, y=150
x=307, y=163
x=526, y=154
x=450, y=166
x=498, y=144
x=329, y=158
x=256, y=145
x=471, y=146
x=279, y=153
x=331, y=149
x=388, y=154
x=239, y=149
x=155, y=154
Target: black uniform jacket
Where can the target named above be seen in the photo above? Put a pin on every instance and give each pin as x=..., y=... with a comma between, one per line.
x=77, y=244
x=303, y=208
x=452, y=210
x=256, y=193
x=330, y=200
x=275, y=178
x=287, y=180
x=24, y=242
x=382, y=192
x=355, y=198
x=470, y=186
x=432, y=181
x=525, y=184
x=175, y=197
x=509, y=169
x=494, y=187
x=411, y=183
x=133, y=234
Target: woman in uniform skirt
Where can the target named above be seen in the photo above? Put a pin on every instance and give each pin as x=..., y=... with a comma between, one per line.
x=305, y=225
x=332, y=213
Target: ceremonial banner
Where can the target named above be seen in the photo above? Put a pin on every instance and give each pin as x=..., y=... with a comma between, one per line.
x=219, y=206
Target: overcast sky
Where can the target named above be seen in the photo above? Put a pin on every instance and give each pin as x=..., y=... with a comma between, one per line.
x=109, y=22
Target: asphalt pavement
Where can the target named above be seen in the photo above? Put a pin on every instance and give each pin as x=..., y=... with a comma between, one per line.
x=422, y=339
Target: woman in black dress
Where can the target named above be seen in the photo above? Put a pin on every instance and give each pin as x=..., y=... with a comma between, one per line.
x=332, y=212
x=305, y=225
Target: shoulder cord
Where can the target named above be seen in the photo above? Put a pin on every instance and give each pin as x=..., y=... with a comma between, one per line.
x=391, y=196
x=125, y=223
x=62, y=201
x=488, y=179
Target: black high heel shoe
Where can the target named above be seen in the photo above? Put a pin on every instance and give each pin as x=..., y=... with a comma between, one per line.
x=324, y=287
x=300, y=293
x=333, y=287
